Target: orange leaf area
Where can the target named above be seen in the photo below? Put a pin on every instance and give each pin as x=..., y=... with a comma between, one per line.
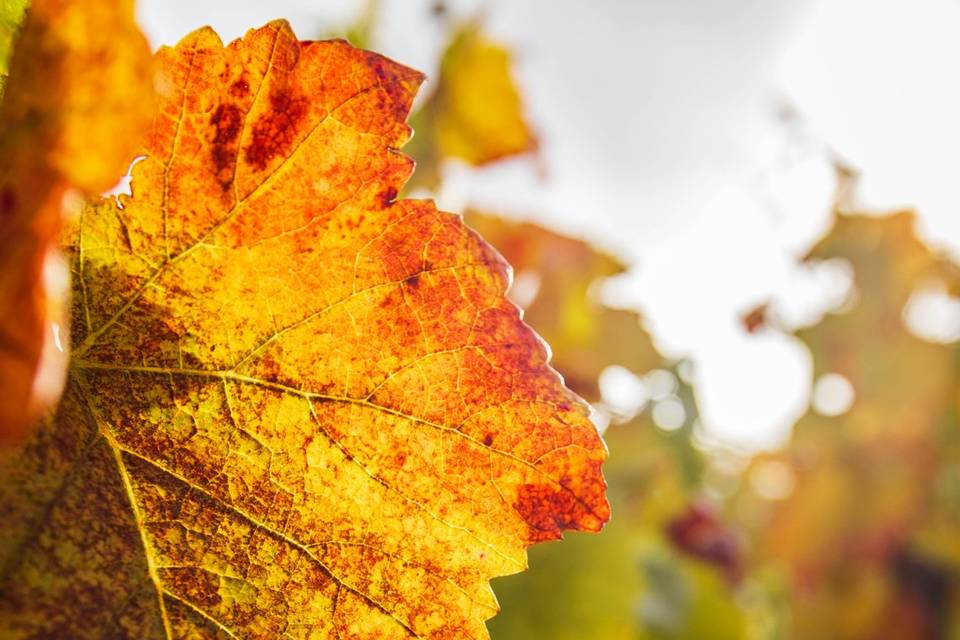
x=297, y=407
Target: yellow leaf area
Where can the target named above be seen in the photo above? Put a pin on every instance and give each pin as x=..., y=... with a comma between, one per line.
x=868, y=480
x=585, y=335
x=76, y=101
x=474, y=114
x=297, y=407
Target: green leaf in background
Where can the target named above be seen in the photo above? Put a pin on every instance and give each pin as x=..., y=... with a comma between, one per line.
x=11, y=16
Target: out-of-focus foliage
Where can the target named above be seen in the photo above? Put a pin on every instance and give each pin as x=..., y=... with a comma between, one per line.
x=474, y=113
x=865, y=538
x=11, y=15
x=78, y=97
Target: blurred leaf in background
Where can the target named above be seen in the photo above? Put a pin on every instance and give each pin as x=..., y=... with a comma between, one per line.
x=842, y=512
x=79, y=95
x=11, y=15
x=474, y=114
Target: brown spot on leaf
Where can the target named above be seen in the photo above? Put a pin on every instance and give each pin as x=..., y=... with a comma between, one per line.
x=240, y=88
x=548, y=509
x=227, y=119
x=755, y=319
x=391, y=86
x=270, y=368
x=275, y=132
x=388, y=196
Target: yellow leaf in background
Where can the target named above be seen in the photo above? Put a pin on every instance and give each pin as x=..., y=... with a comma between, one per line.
x=297, y=407
x=474, y=114
x=77, y=99
x=479, y=115
x=585, y=335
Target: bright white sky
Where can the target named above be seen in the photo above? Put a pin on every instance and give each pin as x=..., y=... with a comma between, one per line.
x=664, y=141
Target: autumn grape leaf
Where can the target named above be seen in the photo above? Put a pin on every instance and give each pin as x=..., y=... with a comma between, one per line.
x=297, y=407
x=585, y=335
x=475, y=112
x=78, y=96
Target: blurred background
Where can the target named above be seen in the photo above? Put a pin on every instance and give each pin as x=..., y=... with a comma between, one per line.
x=736, y=225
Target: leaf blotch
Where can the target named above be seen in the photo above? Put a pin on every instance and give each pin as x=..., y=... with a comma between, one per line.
x=227, y=120
x=388, y=196
x=240, y=88
x=548, y=509
x=275, y=133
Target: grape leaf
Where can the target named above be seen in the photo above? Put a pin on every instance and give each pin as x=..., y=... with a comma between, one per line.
x=297, y=407
x=78, y=96
x=474, y=114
